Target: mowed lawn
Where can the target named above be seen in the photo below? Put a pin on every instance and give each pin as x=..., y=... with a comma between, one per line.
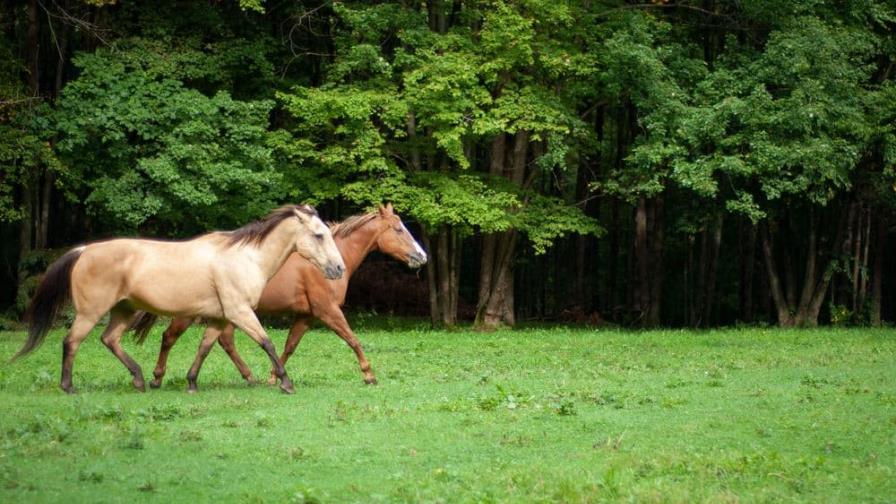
x=532, y=415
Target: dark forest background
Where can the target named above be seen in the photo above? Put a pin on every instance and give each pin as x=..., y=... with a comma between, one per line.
x=656, y=163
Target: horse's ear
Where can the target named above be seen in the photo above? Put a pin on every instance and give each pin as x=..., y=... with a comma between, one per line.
x=389, y=207
x=386, y=210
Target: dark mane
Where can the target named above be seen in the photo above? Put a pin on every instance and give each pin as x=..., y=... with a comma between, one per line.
x=350, y=225
x=255, y=232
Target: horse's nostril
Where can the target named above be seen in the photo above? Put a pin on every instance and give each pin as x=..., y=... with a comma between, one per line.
x=335, y=271
x=416, y=259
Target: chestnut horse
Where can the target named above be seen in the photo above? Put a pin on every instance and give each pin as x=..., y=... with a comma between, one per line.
x=218, y=276
x=300, y=289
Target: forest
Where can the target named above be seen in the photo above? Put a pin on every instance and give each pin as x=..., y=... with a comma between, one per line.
x=664, y=163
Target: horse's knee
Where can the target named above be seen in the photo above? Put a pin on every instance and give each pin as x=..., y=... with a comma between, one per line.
x=267, y=345
x=169, y=337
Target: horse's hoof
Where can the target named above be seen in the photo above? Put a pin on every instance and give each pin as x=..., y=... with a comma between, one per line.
x=250, y=381
x=370, y=381
x=287, y=388
x=140, y=386
x=272, y=380
x=155, y=384
x=70, y=390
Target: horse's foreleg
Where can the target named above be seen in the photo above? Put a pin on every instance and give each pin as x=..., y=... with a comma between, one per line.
x=118, y=324
x=335, y=320
x=298, y=329
x=229, y=346
x=246, y=320
x=208, y=341
x=80, y=329
x=177, y=327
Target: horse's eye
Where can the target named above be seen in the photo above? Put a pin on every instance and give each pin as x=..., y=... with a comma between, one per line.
x=319, y=237
x=399, y=230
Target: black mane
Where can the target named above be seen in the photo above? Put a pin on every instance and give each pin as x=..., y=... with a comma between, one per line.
x=255, y=232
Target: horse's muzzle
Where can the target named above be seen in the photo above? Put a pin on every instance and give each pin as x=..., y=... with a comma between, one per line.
x=334, y=271
x=416, y=259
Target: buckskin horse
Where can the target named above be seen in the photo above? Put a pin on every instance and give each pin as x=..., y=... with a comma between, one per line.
x=217, y=276
x=301, y=289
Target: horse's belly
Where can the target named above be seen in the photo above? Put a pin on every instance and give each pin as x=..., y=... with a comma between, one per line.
x=194, y=308
x=176, y=294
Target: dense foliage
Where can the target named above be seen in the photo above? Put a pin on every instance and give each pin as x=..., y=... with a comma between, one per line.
x=691, y=162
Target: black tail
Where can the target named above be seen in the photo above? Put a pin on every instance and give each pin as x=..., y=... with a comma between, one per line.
x=142, y=324
x=49, y=299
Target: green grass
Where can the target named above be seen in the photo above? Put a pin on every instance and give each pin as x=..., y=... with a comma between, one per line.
x=536, y=415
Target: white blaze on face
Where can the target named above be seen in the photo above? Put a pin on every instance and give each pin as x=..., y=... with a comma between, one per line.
x=416, y=245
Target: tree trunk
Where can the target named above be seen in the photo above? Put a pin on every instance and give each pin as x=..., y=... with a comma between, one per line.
x=454, y=275
x=442, y=275
x=704, y=296
x=711, y=272
x=495, y=306
x=856, y=236
x=785, y=319
x=435, y=309
x=789, y=267
x=611, y=298
x=63, y=51
x=688, y=287
x=25, y=229
x=641, y=286
x=816, y=280
x=877, y=273
x=809, y=282
x=822, y=282
x=747, y=262
x=696, y=308
x=43, y=217
x=648, y=252
x=863, y=269
x=587, y=262
x=657, y=251
x=33, y=49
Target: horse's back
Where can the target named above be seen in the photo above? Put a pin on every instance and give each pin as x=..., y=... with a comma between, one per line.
x=166, y=277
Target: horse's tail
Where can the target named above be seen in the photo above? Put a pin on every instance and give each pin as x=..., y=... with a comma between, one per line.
x=49, y=299
x=142, y=324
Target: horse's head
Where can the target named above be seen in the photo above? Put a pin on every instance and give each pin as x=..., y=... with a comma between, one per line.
x=315, y=243
x=396, y=241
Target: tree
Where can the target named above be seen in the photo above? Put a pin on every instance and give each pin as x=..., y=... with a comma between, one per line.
x=408, y=100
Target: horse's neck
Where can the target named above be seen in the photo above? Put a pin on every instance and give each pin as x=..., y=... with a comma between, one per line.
x=356, y=246
x=276, y=247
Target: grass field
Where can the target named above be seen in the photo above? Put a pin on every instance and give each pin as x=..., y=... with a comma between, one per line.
x=533, y=415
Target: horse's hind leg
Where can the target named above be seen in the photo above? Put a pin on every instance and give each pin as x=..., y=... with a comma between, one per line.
x=80, y=329
x=298, y=329
x=212, y=332
x=177, y=327
x=119, y=320
x=227, y=343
